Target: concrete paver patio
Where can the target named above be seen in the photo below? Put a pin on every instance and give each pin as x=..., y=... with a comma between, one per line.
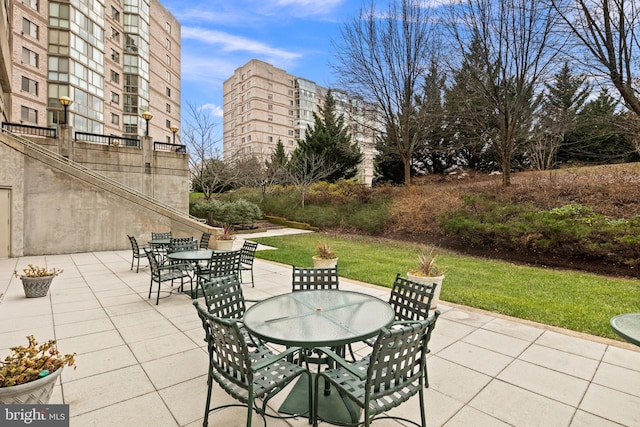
x=139, y=364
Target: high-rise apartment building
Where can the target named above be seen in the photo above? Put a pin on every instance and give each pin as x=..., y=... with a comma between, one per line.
x=264, y=104
x=113, y=58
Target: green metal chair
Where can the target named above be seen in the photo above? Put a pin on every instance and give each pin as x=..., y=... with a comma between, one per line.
x=245, y=373
x=182, y=244
x=410, y=301
x=221, y=264
x=311, y=279
x=166, y=273
x=247, y=255
x=386, y=378
x=138, y=252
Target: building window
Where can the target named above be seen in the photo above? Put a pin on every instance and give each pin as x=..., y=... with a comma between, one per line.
x=29, y=85
x=269, y=96
x=270, y=139
x=168, y=140
x=29, y=57
x=290, y=133
x=168, y=124
x=168, y=75
x=270, y=107
x=168, y=44
x=28, y=114
x=248, y=138
x=115, y=77
x=115, y=98
x=115, y=56
x=115, y=14
x=270, y=118
x=168, y=60
x=168, y=92
x=115, y=119
x=29, y=28
x=168, y=108
x=167, y=27
x=291, y=112
x=115, y=34
x=33, y=4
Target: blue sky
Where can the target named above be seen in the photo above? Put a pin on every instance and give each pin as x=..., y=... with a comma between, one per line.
x=219, y=36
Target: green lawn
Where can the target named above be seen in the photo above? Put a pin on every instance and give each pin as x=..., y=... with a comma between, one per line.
x=578, y=301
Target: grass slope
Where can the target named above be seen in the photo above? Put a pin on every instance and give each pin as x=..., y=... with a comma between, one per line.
x=577, y=301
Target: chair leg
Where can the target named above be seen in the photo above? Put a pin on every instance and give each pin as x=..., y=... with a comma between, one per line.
x=208, y=402
x=158, y=297
x=253, y=284
x=423, y=417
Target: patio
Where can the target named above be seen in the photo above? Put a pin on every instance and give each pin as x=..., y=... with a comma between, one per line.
x=142, y=364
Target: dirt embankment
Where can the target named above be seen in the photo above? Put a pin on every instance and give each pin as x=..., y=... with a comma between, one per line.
x=613, y=191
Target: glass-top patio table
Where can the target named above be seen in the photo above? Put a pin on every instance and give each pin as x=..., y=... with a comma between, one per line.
x=191, y=256
x=627, y=326
x=321, y=318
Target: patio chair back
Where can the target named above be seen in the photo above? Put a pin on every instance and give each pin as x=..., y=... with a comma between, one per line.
x=247, y=255
x=223, y=296
x=204, y=240
x=165, y=235
x=411, y=300
x=182, y=244
x=221, y=264
x=311, y=279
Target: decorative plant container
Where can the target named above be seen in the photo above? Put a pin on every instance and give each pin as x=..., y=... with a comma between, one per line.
x=324, y=262
x=428, y=280
x=36, y=287
x=35, y=392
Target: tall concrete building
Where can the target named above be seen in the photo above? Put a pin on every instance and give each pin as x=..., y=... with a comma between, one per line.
x=114, y=59
x=264, y=104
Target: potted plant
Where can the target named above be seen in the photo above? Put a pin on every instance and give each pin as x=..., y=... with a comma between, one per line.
x=36, y=280
x=224, y=239
x=28, y=374
x=428, y=272
x=325, y=257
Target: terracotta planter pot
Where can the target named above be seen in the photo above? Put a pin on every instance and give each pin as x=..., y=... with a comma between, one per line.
x=36, y=287
x=36, y=392
x=427, y=280
x=324, y=262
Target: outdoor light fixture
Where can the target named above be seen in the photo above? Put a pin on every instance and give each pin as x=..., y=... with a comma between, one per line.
x=174, y=129
x=65, y=101
x=147, y=116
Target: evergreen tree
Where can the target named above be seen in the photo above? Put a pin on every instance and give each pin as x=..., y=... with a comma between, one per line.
x=330, y=140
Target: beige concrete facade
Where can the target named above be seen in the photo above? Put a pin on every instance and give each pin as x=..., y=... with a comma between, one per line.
x=113, y=62
x=264, y=104
x=90, y=200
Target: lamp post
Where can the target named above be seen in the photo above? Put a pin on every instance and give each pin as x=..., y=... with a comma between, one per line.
x=174, y=129
x=147, y=116
x=65, y=101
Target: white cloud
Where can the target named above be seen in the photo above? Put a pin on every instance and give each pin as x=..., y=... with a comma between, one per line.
x=214, y=110
x=232, y=43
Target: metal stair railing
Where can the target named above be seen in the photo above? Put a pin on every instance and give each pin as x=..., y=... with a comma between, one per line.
x=77, y=166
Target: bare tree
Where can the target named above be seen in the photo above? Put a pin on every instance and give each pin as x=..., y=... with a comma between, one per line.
x=520, y=47
x=305, y=168
x=606, y=30
x=383, y=57
x=208, y=172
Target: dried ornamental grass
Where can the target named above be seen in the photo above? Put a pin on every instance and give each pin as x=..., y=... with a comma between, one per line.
x=35, y=271
x=27, y=364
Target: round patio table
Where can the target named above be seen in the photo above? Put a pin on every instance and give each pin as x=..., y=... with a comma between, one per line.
x=159, y=242
x=191, y=256
x=322, y=318
x=627, y=326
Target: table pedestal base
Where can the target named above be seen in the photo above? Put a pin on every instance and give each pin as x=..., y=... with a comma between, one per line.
x=332, y=408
